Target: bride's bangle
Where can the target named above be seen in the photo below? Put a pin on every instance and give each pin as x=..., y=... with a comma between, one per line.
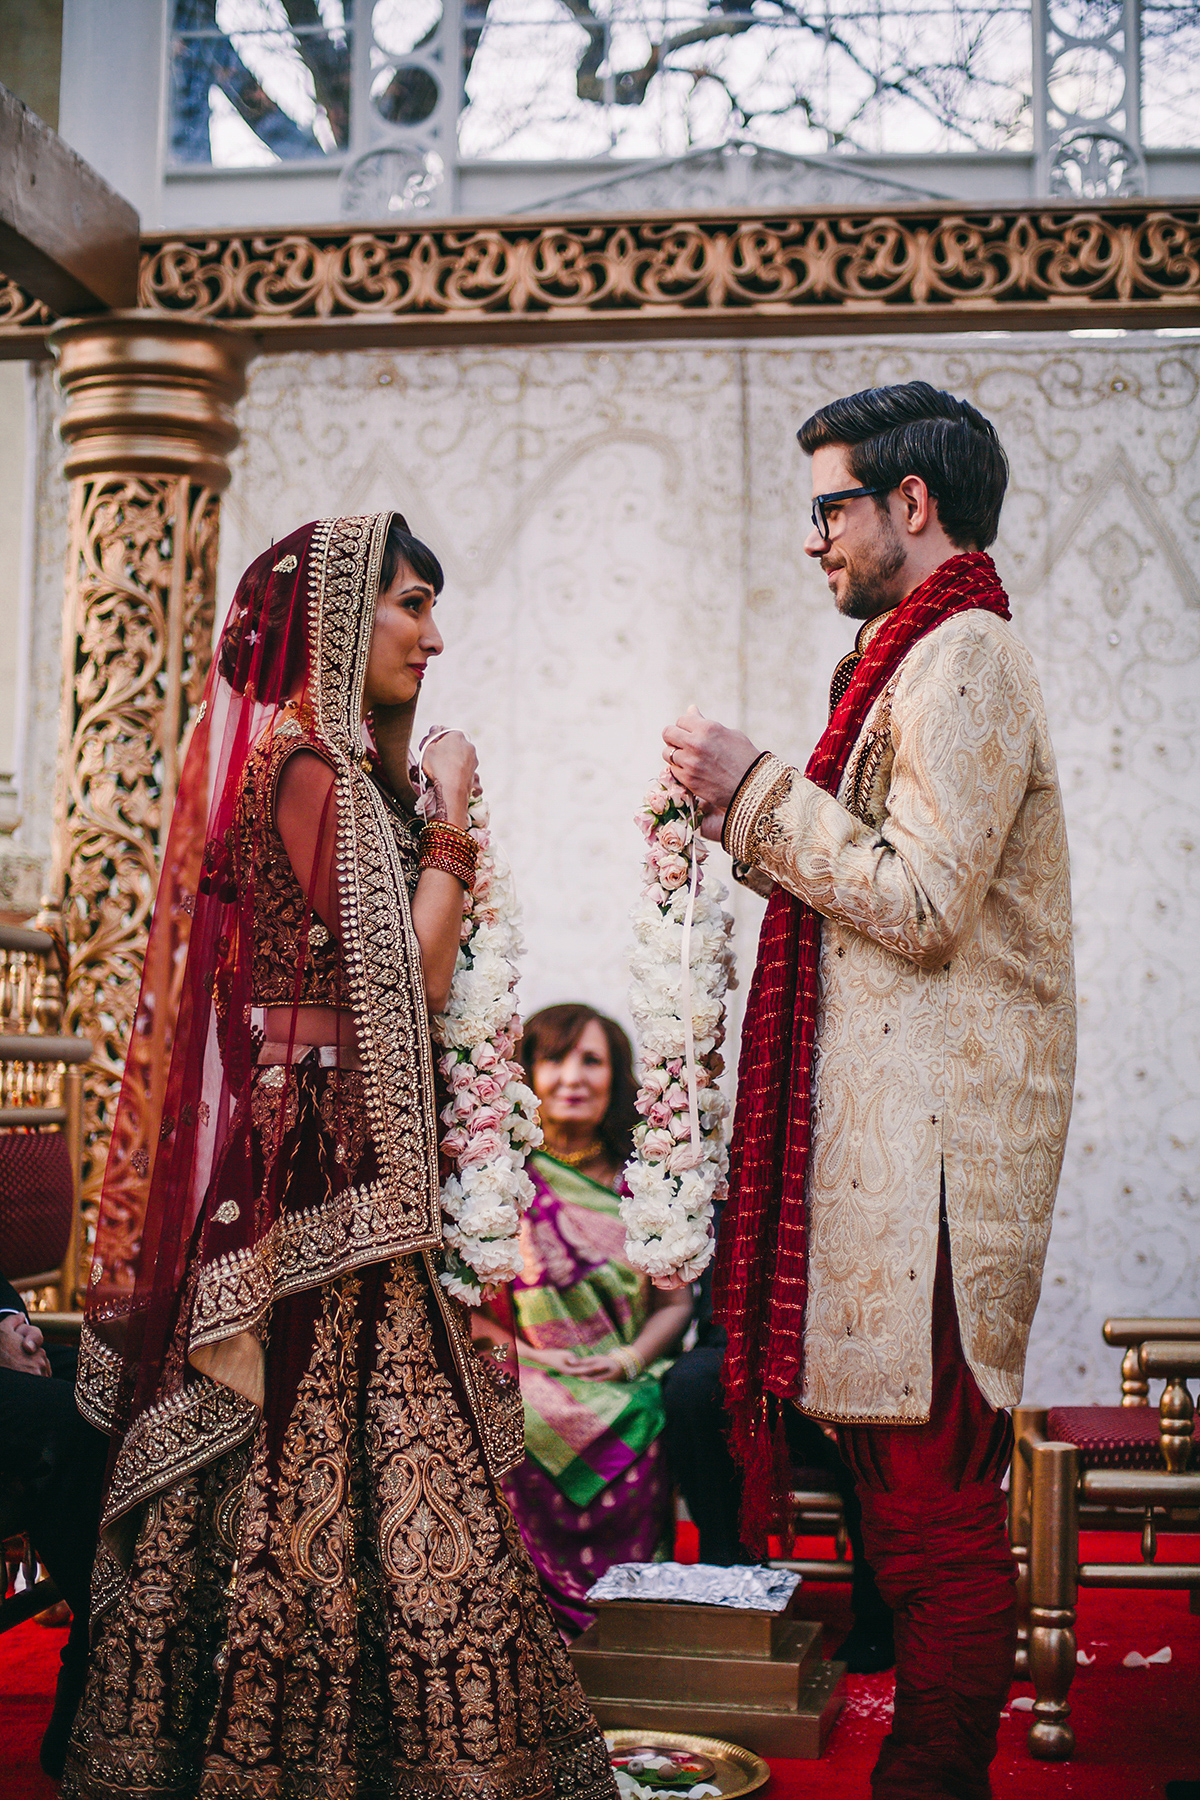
x=446, y=847
x=631, y=1364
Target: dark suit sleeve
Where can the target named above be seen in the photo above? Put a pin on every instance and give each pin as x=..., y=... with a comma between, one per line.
x=10, y=1300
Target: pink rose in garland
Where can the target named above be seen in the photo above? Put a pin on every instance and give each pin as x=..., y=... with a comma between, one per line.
x=680, y=1164
x=491, y=1120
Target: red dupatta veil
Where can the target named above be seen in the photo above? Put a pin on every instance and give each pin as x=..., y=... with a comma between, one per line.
x=178, y=1299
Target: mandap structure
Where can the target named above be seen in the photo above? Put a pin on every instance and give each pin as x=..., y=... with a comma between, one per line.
x=152, y=334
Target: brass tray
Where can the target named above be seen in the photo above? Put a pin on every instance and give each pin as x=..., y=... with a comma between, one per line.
x=735, y=1771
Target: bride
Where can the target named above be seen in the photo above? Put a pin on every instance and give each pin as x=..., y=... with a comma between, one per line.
x=307, y=1584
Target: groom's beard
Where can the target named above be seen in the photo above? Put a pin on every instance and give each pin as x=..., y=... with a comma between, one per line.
x=871, y=586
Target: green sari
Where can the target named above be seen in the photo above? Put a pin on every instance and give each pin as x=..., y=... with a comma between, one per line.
x=593, y=1490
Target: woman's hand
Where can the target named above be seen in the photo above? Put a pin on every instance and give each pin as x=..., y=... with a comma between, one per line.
x=575, y=1362
x=597, y=1368
x=450, y=763
x=561, y=1361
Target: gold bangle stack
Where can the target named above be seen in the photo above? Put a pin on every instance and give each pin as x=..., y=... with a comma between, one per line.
x=632, y=1365
x=447, y=847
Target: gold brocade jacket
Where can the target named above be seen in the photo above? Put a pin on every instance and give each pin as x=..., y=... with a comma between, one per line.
x=946, y=1017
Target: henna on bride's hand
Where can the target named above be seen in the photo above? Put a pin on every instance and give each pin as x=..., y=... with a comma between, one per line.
x=440, y=810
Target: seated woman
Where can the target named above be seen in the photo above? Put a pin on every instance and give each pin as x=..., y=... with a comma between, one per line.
x=593, y=1336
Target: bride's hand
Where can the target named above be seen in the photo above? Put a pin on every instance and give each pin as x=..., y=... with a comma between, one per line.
x=450, y=764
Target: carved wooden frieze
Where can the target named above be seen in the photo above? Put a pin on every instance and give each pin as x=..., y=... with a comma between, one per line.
x=1130, y=263
x=913, y=269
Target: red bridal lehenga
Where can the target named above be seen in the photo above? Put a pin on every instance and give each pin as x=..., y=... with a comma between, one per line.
x=307, y=1584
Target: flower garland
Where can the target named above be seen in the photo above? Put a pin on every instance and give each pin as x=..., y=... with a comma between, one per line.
x=491, y=1118
x=681, y=970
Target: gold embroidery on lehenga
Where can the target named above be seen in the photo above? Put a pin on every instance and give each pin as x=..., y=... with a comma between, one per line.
x=268, y=1643
x=174, y=1437
x=325, y=1493
x=478, y=1672
x=494, y=1393
x=152, y=1676
x=426, y=1495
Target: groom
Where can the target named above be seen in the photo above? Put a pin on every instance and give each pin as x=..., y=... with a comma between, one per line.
x=907, y=1056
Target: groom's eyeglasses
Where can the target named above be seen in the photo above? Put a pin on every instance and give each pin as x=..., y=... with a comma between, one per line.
x=821, y=501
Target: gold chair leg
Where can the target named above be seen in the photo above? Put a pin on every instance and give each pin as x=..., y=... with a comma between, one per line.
x=68, y=1280
x=1053, y=1589
x=1029, y=1424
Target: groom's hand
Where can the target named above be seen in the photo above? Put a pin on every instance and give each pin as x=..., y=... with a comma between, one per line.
x=710, y=760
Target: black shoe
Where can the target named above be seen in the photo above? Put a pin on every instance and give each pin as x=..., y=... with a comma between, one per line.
x=866, y=1649
x=1183, y=1790
x=67, y=1695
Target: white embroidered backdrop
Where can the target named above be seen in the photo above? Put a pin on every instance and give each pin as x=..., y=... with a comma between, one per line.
x=621, y=532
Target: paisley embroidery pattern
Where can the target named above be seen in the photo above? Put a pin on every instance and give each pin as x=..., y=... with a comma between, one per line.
x=341, y=1607
x=937, y=1040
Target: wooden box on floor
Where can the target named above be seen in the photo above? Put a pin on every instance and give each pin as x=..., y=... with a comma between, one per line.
x=756, y=1679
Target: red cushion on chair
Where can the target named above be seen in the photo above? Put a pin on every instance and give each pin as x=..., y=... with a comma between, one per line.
x=1109, y=1437
x=36, y=1197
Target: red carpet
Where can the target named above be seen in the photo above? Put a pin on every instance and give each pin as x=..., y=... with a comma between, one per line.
x=1136, y=1728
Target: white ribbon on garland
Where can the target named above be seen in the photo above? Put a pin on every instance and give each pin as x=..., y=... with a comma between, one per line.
x=685, y=983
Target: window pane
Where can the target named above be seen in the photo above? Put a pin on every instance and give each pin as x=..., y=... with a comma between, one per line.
x=399, y=26
x=1170, y=74
x=242, y=95
x=660, y=77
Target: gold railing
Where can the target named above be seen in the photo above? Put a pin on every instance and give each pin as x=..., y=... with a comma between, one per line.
x=42, y=1078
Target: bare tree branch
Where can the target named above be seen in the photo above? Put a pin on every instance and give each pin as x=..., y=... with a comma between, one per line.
x=212, y=61
x=329, y=64
x=936, y=89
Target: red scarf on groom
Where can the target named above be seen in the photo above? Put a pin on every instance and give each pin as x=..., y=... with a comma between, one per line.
x=761, y=1278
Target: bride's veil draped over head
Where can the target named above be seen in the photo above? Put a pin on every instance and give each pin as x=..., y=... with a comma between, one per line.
x=200, y=1229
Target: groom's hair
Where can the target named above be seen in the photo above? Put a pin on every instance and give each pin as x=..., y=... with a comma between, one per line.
x=917, y=429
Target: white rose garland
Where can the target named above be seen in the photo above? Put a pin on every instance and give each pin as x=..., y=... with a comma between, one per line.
x=683, y=942
x=491, y=1117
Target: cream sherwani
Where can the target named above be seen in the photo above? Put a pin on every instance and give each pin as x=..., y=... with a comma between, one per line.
x=946, y=1017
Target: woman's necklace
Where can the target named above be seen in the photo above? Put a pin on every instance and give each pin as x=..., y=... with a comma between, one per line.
x=574, y=1159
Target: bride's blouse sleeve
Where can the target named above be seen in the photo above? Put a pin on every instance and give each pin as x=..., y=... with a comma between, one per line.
x=306, y=819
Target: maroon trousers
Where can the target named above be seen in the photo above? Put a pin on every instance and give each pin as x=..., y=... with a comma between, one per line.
x=934, y=1530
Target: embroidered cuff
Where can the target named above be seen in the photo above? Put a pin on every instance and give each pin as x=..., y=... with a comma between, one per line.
x=761, y=789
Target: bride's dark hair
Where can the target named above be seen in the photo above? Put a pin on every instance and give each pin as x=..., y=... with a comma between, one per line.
x=262, y=632
x=402, y=546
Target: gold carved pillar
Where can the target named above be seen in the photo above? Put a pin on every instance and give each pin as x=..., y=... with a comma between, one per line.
x=149, y=425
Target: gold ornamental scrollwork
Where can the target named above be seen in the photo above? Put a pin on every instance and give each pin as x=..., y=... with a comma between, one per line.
x=141, y=592
x=912, y=269
x=148, y=425
x=1132, y=262
x=17, y=308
